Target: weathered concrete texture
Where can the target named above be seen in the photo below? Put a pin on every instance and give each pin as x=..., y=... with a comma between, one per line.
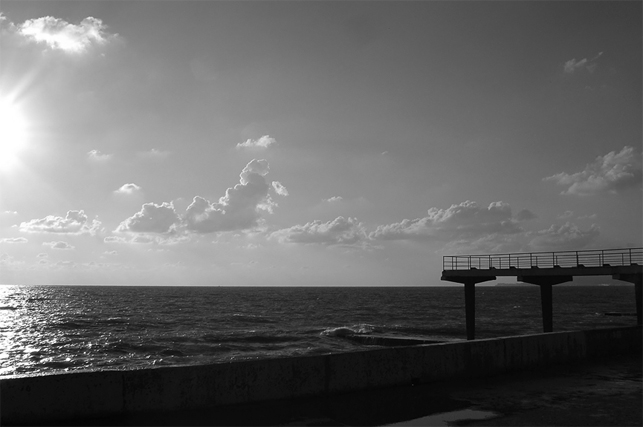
x=43, y=398
x=388, y=340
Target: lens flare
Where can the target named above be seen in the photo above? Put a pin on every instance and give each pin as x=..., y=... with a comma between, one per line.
x=12, y=134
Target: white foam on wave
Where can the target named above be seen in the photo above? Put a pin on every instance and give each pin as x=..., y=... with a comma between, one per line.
x=343, y=331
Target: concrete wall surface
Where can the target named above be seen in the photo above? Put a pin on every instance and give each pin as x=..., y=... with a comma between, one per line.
x=29, y=399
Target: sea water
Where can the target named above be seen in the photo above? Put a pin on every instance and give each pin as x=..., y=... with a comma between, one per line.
x=48, y=328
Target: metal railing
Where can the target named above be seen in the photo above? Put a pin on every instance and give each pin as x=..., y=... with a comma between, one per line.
x=586, y=258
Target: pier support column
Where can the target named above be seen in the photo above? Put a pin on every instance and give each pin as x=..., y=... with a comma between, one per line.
x=546, y=303
x=637, y=279
x=470, y=308
x=469, y=283
x=546, y=295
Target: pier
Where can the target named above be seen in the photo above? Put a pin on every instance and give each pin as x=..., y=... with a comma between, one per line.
x=544, y=269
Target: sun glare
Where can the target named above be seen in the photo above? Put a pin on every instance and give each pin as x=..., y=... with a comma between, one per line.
x=12, y=134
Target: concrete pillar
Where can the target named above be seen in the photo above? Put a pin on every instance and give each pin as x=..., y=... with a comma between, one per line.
x=470, y=308
x=546, y=298
x=637, y=279
x=469, y=283
x=638, y=293
x=546, y=302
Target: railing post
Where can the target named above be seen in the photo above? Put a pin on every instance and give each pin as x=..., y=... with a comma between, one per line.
x=576, y=258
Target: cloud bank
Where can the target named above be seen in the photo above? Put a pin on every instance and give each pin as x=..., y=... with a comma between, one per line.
x=340, y=231
x=564, y=237
x=239, y=209
x=59, y=34
x=466, y=220
x=610, y=173
x=152, y=218
x=75, y=222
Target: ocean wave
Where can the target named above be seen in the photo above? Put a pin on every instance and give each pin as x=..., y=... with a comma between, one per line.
x=342, y=331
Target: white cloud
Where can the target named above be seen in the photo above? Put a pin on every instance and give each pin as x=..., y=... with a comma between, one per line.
x=466, y=221
x=240, y=208
x=589, y=64
x=128, y=189
x=279, y=188
x=75, y=222
x=154, y=154
x=564, y=237
x=58, y=245
x=334, y=199
x=97, y=156
x=14, y=240
x=115, y=239
x=261, y=143
x=340, y=231
x=58, y=34
x=152, y=218
x=611, y=173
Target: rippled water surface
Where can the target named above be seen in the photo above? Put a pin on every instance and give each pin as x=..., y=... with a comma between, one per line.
x=54, y=328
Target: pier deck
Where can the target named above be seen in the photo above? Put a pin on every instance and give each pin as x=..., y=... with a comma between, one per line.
x=544, y=269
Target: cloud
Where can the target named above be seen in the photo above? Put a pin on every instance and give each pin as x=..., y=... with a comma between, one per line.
x=589, y=64
x=58, y=245
x=564, y=237
x=261, y=143
x=279, y=188
x=525, y=215
x=128, y=189
x=75, y=222
x=240, y=208
x=97, y=156
x=152, y=218
x=14, y=240
x=466, y=221
x=154, y=154
x=340, y=231
x=334, y=199
x=610, y=173
x=59, y=34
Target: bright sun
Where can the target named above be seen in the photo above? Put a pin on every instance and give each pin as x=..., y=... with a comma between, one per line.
x=12, y=134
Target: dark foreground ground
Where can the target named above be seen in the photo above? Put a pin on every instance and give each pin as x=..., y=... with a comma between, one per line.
x=598, y=393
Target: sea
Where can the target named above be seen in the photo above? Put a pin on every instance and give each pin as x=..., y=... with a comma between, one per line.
x=47, y=328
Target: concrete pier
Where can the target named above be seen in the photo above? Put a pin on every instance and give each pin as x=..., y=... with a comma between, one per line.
x=43, y=399
x=544, y=269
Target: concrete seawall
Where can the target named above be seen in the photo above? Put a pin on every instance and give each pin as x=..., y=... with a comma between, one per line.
x=41, y=398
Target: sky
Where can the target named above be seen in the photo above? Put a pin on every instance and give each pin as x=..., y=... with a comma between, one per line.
x=302, y=143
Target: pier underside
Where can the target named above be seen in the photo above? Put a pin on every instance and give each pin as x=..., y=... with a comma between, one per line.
x=544, y=269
